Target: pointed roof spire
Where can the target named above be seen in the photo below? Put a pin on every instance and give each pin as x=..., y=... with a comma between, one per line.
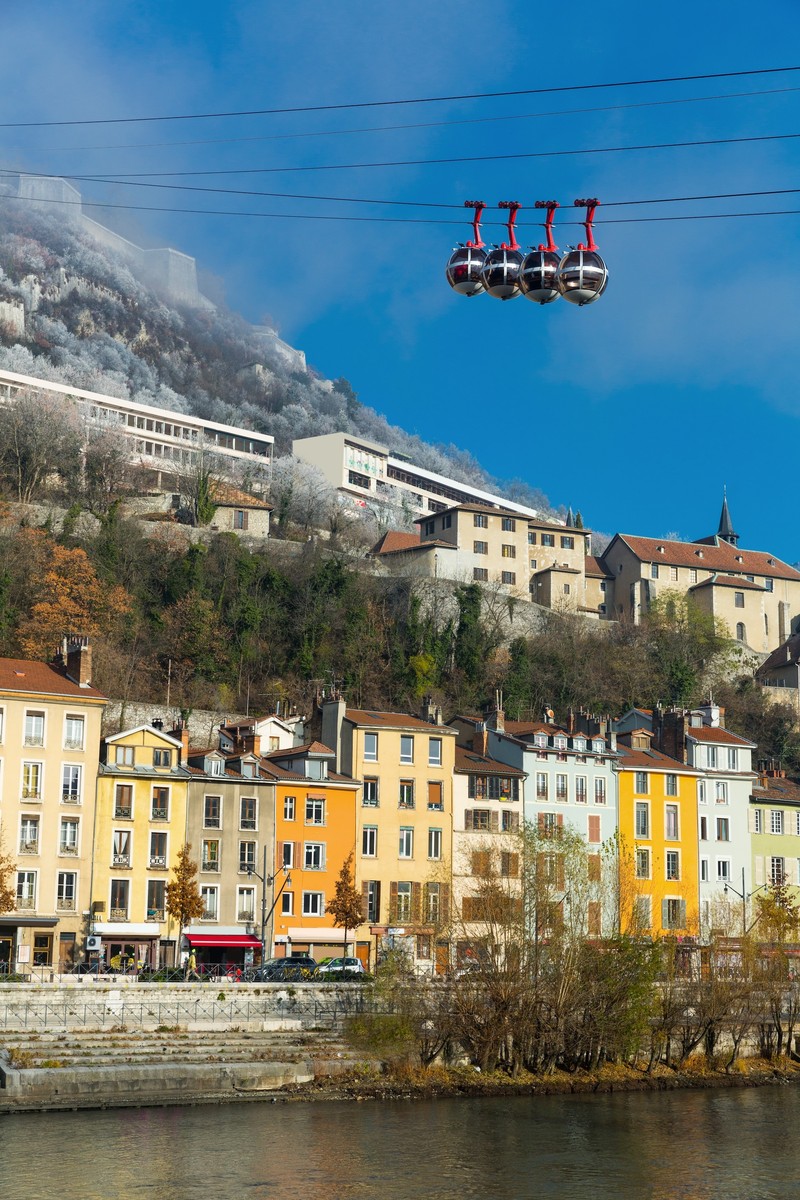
x=725, y=532
x=570, y=518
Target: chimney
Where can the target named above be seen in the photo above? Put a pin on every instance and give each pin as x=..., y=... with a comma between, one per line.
x=571, y=720
x=78, y=661
x=157, y=723
x=333, y=712
x=251, y=743
x=181, y=731
x=497, y=716
x=480, y=739
x=431, y=712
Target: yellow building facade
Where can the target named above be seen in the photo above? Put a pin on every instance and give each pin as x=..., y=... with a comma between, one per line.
x=659, y=860
x=140, y=828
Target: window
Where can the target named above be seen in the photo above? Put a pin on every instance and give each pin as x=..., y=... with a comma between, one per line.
x=531, y=539
x=247, y=856
x=758, y=820
x=406, y=748
x=160, y=807
x=121, y=848
x=599, y=790
x=701, y=791
x=373, y=891
x=541, y=785
x=738, y=599
x=711, y=756
x=723, y=870
x=68, y=836
x=480, y=574
x=406, y=793
x=313, y=904
x=733, y=759
x=704, y=874
x=74, y=729
x=434, y=843
x=723, y=829
x=369, y=841
x=776, y=820
x=314, y=856
x=156, y=900
x=435, y=794
x=245, y=904
x=643, y=911
x=640, y=784
x=287, y=854
x=509, y=864
x=31, y=781
x=479, y=819
x=548, y=539
x=434, y=752
x=671, y=783
x=593, y=823
x=66, y=891
x=247, y=813
x=561, y=787
x=480, y=520
x=508, y=577
x=162, y=758
x=642, y=820
x=480, y=547
x=406, y=842
x=288, y=808
x=566, y=589
x=673, y=574
x=508, y=551
x=704, y=829
x=315, y=810
x=673, y=858
x=741, y=632
x=692, y=574
x=721, y=791
x=671, y=822
x=123, y=801
x=209, y=896
x=210, y=859
x=287, y=904
x=370, y=799
x=70, y=784
x=642, y=864
x=508, y=525
x=567, y=542
x=534, y=564
x=216, y=766
x=158, y=851
x=403, y=902
x=580, y=789
x=447, y=521
x=26, y=889
x=370, y=747
x=654, y=570
x=123, y=756
x=777, y=871
x=769, y=584
x=674, y=914
x=212, y=806
x=34, y=729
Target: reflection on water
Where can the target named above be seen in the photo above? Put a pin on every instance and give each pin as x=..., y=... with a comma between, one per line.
x=680, y=1146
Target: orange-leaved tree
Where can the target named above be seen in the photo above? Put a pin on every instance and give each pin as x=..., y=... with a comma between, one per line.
x=70, y=599
x=184, y=902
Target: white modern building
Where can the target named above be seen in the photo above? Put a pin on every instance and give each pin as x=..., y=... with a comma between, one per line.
x=368, y=474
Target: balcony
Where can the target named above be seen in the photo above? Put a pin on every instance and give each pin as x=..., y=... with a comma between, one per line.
x=34, y=739
x=209, y=914
x=67, y=848
x=156, y=914
x=210, y=864
x=123, y=812
x=122, y=860
x=211, y=823
x=29, y=793
x=26, y=903
x=251, y=825
x=65, y=904
x=158, y=814
x=246, y=915
x=71, y=798
x=158, y=862
x=73, y=743
x=29, y=847
x=433, y=807
x=118, y=914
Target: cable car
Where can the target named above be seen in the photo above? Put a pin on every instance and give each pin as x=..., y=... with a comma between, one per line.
x=500, y=272
x=537, y=275
x=465, y=264
x=582, y=274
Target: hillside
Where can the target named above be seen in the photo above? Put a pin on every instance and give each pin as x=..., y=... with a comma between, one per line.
x=75, y=310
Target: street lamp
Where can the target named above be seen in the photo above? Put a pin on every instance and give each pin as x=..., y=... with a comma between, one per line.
x=268, y=881
x=744, y=897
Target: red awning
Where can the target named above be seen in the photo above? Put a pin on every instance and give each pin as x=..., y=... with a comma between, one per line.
x=242, y=940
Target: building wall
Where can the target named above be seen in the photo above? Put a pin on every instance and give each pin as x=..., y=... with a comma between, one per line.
x=247, y=522
x=768, y=845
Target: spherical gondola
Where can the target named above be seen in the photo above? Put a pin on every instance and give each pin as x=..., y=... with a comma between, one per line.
x=463, y=270
x=500, y=272
x=582, y=274
x=537, y=275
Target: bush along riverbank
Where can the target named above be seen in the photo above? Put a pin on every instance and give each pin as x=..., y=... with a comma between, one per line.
x=400, y=1081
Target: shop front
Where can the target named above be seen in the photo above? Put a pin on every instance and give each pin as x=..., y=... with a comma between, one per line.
x=126, y=947
x=235, y=950
x=26, y=942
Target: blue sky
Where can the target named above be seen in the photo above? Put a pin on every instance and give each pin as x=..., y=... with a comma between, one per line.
x=637, y=409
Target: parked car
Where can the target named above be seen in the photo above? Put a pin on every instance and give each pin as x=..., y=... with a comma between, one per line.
x=340, y=966
x=295, y=967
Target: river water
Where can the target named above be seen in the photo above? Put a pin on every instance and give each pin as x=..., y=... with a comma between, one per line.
x=725, y=1145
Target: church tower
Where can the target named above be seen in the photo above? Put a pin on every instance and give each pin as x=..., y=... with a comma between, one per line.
x=725, y=532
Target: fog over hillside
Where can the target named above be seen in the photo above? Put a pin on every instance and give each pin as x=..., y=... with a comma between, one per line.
x=81, y=305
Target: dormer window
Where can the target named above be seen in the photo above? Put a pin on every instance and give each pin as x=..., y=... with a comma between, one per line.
x=739, y=558
x=216, y=766
x=560, y=743
x=699, y=553
x=540, y=739
x=579, y=743
x=249, y=770
x=597, y=746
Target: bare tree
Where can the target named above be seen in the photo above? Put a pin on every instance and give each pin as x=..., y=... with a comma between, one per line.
x=39, y=437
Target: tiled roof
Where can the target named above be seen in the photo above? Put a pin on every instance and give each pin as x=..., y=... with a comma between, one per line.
x=595, y=569
x=779, y=790
x=731, y=581
x=651, y=760
x=561, y=568
x=392, y=720
x=521, y=728
x=26, y=675
x=712, y=733
x=396, y=540
x=230, y=497
x=298, y=751
x=722, y=557
x=472, y=763
x=784, y=656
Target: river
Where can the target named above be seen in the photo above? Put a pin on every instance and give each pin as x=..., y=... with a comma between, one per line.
x=734, y=1145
